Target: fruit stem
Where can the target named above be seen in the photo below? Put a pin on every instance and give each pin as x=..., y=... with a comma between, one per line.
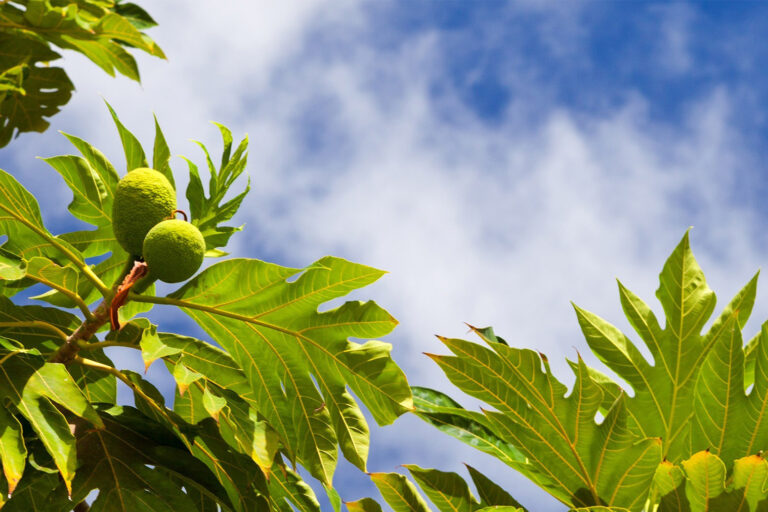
x=173, y=214
x=138, y=271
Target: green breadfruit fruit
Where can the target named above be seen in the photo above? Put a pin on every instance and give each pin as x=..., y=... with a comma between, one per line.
x=143, y=198
x=173, y=250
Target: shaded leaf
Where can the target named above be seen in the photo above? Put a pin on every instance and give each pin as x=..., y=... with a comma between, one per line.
x=33, y=91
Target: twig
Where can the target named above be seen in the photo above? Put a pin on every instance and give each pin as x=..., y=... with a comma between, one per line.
x=138, y=271
x=88, y=328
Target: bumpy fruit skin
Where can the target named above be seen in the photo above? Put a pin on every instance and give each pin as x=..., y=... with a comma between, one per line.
x=174, y=250
x=143, y=198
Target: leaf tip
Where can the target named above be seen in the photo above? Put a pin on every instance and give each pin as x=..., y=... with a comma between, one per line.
x=13, y=481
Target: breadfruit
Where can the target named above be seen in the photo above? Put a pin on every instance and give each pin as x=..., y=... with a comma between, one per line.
x=173, y=250
x=143, y=198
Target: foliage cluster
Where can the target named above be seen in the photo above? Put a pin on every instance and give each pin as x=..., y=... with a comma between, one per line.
x=102, y=30
x=690, y=437
x=271, y=393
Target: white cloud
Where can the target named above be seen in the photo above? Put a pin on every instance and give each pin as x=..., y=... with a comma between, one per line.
x=497, y=224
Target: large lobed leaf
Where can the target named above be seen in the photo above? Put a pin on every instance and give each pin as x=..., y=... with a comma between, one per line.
x=663, y=401
x=565, y=450
x=297, y=361
x=701, y=404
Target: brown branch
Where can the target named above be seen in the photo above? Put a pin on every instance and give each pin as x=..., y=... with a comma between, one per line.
x=67, y=352
x=138, y=271
x=88, y=328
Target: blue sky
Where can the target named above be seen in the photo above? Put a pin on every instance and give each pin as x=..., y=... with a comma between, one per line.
x=499, y=159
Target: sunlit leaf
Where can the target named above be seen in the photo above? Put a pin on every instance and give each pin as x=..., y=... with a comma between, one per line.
x=273, y=331
x=664, y=392
x=13, y=453
x=573, y=457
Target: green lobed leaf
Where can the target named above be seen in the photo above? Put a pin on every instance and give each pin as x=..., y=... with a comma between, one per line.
x=705, y=479
x=92, y=202
x=726, y=421
x=662, y=404
x=208, y=212
x=669, y=488
x=239, y=422
x=273, y=331
x=575, y=459
x=363, y=505
x=134, y=153
x=600, y=509
x=12, y=267
x=35, y=335
x=97, y=386
x=161, y=155
x=62, y=279
x=287, y=488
